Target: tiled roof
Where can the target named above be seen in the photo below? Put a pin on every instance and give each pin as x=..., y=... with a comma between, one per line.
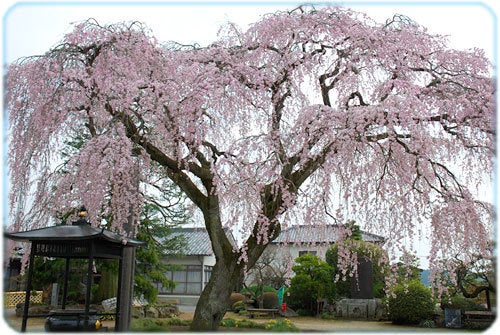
x=197, y=241
x=318, y=234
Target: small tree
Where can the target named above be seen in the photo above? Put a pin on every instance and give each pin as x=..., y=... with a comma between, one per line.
x=411, y=303
x=152, y=264
x=313, y=282
x=268, y=270
x=408, y=268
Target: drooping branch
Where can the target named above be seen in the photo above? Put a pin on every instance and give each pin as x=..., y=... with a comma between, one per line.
x=171, y=166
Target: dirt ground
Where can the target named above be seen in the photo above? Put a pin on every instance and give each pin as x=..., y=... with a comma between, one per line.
x=314, y=324
x=305, y=324
x=12, y=323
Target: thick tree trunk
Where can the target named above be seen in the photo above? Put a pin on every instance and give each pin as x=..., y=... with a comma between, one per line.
x=214, y=300
x=228, y=269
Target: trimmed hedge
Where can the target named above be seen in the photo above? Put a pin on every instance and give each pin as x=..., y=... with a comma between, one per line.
x=270, y=300
x=235, y=297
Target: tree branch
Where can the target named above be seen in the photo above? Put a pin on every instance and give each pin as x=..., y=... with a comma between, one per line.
x=171, y=166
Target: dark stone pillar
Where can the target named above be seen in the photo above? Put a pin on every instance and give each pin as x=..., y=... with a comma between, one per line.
x=362, y=287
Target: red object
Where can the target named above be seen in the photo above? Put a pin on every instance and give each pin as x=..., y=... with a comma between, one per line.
x=283, y=307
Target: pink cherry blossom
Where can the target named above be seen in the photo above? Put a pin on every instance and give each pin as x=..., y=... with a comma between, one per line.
x=307, y=116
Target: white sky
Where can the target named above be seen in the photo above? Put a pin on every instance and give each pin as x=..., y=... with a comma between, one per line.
x=31, y=28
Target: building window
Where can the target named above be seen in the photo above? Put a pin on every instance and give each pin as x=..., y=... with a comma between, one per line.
x=193, y=279
x=188, y=280
x=208, y=273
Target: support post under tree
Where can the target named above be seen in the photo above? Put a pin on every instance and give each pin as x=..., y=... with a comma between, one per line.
x=125, y=293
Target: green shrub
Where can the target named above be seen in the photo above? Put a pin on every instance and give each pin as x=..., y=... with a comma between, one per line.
x=328, y=315
x=270, y=300
x=312, y=282
x=232, y=323
x=427, y=324
x=412, y=303
x=229, y=322
x=255, y=289
x=236, y=297
x=238, y=306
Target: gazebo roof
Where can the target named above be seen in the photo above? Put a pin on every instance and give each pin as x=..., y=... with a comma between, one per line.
x=72, y=233
x=81, y=240
x=75, y=241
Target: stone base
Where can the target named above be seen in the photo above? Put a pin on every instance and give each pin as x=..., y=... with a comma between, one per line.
x=156, y=311
x=366, y=309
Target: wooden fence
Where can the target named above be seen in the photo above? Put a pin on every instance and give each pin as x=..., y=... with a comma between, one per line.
x=11, y=299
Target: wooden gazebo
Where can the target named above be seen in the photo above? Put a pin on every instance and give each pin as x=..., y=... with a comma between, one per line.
x=82, y=241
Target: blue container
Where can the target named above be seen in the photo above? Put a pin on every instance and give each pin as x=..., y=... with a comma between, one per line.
x=452, y=318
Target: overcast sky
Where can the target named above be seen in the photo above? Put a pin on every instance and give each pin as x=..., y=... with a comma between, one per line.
x=32, y=28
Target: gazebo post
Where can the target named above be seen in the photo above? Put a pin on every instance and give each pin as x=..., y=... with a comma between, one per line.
x=89, y=286
x=65, y=287
x=118, y=314
x=28, y=287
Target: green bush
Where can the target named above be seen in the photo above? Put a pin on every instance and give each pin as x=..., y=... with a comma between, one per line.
x=229, y=322
x=238, y=306
x=411, y=304
x=328, y=315
x=255, y=289
x=427, y=324
x=312, y=282
x=270, y=300
x=236, y=297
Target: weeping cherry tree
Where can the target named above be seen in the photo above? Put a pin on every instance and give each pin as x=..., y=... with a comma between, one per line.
x=307, y=115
